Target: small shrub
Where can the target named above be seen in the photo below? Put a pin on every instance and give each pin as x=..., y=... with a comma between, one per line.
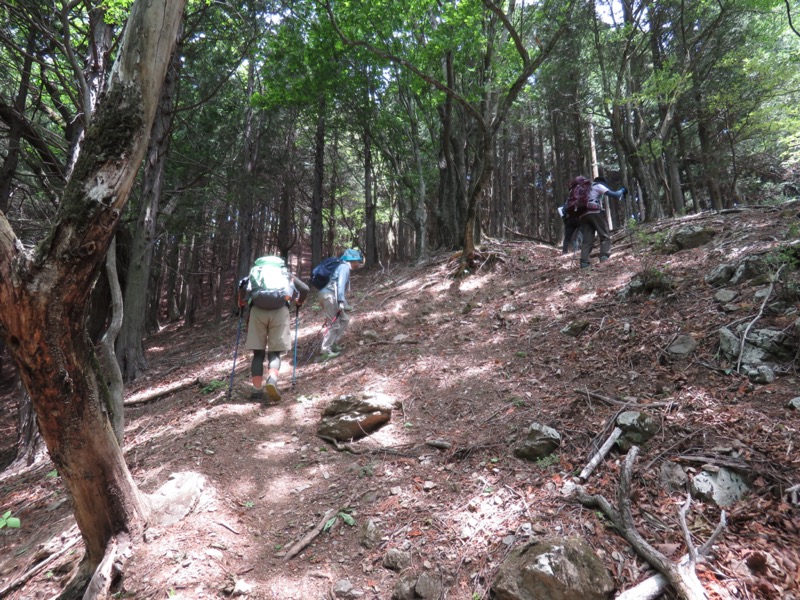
x=8, y=521
x=214, y=386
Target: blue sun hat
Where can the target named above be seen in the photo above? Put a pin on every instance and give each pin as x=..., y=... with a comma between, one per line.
x=352, y=255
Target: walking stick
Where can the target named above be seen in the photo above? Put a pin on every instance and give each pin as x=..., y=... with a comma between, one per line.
x=296, y=325
x=235, y=351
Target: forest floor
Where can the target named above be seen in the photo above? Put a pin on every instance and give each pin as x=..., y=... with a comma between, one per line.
x=472, y=362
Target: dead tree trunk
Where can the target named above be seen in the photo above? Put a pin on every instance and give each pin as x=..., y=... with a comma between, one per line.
x=44, y=292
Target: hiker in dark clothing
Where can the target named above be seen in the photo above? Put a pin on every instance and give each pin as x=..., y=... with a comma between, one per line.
x=268, y=335
x=571, y=229
x=593, y=221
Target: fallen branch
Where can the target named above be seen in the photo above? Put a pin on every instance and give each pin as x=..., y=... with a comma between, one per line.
x=626, y=404
x=653, y=587
x=158, y=394
x=529, y=237
x=228, y=527
x=757, y=317
x=298, y=546
x=682, y=577
x=600, y=455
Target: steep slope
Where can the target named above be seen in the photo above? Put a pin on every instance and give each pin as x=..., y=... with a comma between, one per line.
x=471, y=362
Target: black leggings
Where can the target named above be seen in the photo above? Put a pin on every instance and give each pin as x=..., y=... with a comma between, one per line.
x=257, y=367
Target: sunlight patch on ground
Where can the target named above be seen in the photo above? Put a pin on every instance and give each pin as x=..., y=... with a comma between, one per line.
x=288, y=588
x=472, y=284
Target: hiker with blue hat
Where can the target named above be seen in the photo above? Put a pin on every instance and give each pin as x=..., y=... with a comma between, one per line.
x=333, y=300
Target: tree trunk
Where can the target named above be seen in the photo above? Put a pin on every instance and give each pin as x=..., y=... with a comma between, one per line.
x=319, y=181
x=129, y=349
x=9, y=168
x=43, y=295
x=29, y=440
x=113, y=374
x=370, y=242
x=250, y=151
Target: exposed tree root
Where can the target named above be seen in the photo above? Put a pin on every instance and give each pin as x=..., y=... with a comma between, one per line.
x=118, y=551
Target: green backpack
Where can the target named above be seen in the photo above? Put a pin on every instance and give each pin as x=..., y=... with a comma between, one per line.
x=270, y=283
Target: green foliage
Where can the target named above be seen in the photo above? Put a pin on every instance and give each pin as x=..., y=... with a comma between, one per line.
x=52, y=474
x=345, y=517
x=516, y=401
x=214, y=386
x=8, y=521
x=784, y=266
x=645, y=240
x=547, y=461
x=117, y=11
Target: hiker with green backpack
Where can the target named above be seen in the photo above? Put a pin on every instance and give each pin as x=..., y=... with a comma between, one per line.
x=332, y=278
x=268, y=290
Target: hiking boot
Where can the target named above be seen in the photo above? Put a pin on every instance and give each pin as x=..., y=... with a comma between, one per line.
x=246, y=391
x=336, y=348
x=603, y=259
x=273, y=394
x=328, y=355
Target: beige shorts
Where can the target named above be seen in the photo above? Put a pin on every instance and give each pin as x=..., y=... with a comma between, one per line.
x=269, y=330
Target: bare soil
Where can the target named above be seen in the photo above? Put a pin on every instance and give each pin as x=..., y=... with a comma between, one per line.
x=472, y=361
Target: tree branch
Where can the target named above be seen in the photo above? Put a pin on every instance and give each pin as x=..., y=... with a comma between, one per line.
x=682, y=577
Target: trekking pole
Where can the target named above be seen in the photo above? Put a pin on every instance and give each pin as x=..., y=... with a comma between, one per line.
x=235, y=351
x=296, y=326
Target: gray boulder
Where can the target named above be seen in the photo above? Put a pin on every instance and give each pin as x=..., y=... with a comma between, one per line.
x=575, y=328
x=553, y=569
x=541, y=441
x=723, y=487
x=673, y=477
x=404, y=588
x=397, y=560
x=761, y=374
x=637, y=427
x=725, y=296
x=683, y=346
x=763, y=346
x=751, y=268
x=692, y=236
x=720, y=275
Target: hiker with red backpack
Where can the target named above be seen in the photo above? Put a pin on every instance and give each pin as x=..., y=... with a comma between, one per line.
x=586, y=201
x=332, y=278
x=268, y=290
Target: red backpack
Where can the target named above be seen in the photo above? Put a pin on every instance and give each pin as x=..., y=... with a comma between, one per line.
x=578, y=201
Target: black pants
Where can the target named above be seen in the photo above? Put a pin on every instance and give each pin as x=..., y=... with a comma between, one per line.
x=571, y=226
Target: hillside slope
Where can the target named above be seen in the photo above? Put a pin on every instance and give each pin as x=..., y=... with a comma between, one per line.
x=471, y=362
